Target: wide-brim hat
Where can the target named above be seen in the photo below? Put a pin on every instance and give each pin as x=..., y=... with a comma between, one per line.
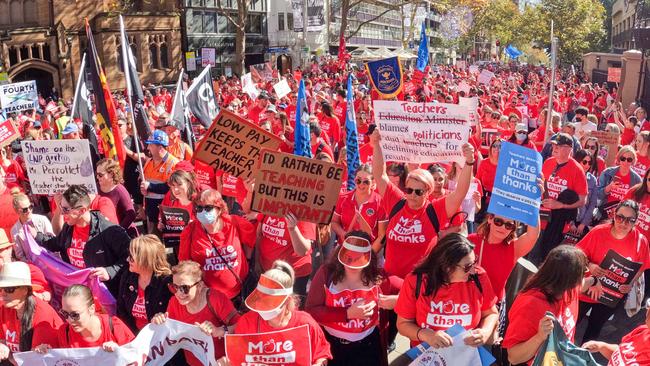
x=355, y=252
x=269, y=295
x=14, y=274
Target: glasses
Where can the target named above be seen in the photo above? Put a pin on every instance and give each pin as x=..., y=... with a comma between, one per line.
x=25, y=209
x=184, y=289
x=362, y=181
x=418, y=192
x=624, y=159
x=592, y=147
x=586, y=162
x=501, y=222
x=72, y=315
x=66, y=210
x=620, y=219
x=8, y=290
x=468, y=267
x=438, y=179
x=206, y=208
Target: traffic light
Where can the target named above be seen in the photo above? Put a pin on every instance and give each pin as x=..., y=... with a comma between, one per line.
x=498, y=43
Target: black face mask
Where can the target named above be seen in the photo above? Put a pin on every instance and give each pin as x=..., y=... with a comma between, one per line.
x=578, y=119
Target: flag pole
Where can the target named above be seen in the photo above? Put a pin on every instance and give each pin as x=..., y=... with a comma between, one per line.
x=549, y=113
x=181, y=94
x=129, y=92
x=77, y=88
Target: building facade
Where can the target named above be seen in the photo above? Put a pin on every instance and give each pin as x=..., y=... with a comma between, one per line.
x=623, y=18
x=44, y=40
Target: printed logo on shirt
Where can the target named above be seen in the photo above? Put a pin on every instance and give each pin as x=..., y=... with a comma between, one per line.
x=274, y=230
x=618, y=193
x=555, y=185
x=139, y=310
x=407, y=231
x=213, y=262
x=10, y=338
x=568, y=322
x=75, y=253
x=285, y=347
x=644, y=219
x=624, y=355
x=446, y=314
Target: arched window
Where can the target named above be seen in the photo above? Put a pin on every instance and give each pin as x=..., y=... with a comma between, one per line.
x=36, y=53
x=153, y=56
x=13, y=56
x=46, y=53
x=164, y=58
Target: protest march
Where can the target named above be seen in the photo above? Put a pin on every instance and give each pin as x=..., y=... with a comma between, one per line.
x=399, y=213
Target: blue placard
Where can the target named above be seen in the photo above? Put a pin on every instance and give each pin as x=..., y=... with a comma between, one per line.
x=516, y=194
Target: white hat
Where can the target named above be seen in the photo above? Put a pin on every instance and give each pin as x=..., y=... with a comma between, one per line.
x=14, y=274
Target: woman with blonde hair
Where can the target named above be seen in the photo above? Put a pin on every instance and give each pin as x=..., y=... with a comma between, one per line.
x=111, y=185
x=615, y=181
x=144, y=286
x=196, y=303
x=275, y=308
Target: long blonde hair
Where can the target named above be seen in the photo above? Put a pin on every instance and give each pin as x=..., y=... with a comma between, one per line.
x=147, y=251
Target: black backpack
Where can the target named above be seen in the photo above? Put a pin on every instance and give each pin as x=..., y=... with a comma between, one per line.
x=431, y=213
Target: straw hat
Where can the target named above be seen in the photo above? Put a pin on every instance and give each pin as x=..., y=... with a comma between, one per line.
x=14, y=274
x=269, y=295
x=355, y=252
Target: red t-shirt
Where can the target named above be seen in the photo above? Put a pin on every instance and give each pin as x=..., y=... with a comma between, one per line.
x=410, y=235
x=106, y=207
x=75, y=251
x=371, y=211
x=139, y=311
x=276, y=244
x=45, y=323
x=9, y=215
x=121, y=334
x=252, y=323
x=617, y=194
x=14, y=174
x=600, y=240
x=498, y=260
x=455, y=303
x=340, y=110
x=254, y=113
x=365, y=153
x=196, y=246
x=643, y=221
x=332, y=127
x=569, y=176
x=641, y=166
x=486, y=172
x=531, y=306
x=634, y=349
x=224, y=309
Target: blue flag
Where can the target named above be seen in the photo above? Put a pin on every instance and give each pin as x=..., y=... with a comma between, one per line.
x=351, y=138
x=513, y=52
x=516, y=194
x=386, y=76
x=423, y=50
x=302, y=145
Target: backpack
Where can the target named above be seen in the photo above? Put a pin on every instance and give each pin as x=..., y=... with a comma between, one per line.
x=431, y=213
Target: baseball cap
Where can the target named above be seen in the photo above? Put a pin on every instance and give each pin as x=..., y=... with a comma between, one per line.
x=562, y=139
x=521, y=127
x=70, y=128
x=158, y=137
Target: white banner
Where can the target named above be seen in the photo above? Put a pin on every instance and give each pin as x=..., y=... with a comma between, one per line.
x=282, y=88
x=422, y=132
x=154, y=345
x=54, y=165
x=458, y=354
x=19, y=96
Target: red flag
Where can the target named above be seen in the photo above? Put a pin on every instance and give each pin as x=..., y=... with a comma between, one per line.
x=105, y=107
x=343, y=54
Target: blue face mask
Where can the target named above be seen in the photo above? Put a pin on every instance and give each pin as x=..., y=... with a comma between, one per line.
x=207, y=217
x=521, y=136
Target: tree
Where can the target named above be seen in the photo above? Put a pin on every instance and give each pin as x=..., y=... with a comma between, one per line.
x=349, y=8
x=240, y=32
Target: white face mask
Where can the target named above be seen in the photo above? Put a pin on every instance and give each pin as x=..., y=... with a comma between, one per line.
x=268, y=315
x=637, y=129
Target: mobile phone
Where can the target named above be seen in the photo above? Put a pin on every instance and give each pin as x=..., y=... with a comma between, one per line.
x=371, y=129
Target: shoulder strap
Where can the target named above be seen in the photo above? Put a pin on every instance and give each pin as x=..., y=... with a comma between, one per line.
x=398, y=206
x=320, y=148
x=433, y=217
x=418, y=284
x=477, y=282
x=211, y=308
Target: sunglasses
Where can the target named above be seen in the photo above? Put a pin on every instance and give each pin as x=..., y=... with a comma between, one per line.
x=72, y=315
x=418, y=192
x=26, y=209
x=8, y=290
x=501, y=222
x=362, y=181
x=624, y=159
x=184, y=289
x=592, y=147
x=66, y=210
x=586, y=162
x=206, y=208
x=624, y=219
x=468, y=267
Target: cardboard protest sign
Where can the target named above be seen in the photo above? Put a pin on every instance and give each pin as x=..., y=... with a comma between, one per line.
x=485, y=77
x=515, y=194
x=618, y=271
x=55, y=165
x=233, y=144
x=472, y=108
x=8, y=133
x=288, y=347
x=18, y=97
x=282, y=88
x=422, y=132
x=609, y=142
x=306, y=187
x=174, y=220
x=614, y=74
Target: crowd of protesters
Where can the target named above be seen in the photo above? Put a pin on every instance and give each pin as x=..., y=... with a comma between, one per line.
x=362, y=279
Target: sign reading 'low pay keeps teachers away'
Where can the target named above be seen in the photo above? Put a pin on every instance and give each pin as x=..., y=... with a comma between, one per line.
x=55, y=165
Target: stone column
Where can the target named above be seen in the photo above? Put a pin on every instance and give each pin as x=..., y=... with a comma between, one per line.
x=631, y=78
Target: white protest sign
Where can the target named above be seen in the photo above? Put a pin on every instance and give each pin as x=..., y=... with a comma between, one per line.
x=208, y=57
x=55, y=165
x=473, y=69
x=422, y=132
x=472, y=106
x=485, y=76
x=458, y=354
x=18, y=97
x=249, y=86
x=282, y=88
x=463, y=87
x=154, y=346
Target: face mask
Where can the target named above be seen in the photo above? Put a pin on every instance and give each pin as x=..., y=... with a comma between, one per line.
x=207, y=217
x=268, y=315
x=521, y=136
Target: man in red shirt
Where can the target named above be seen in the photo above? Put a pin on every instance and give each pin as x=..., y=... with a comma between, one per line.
x=255, y=113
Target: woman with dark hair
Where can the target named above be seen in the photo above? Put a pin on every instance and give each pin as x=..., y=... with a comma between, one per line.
x=448, y=276
x=177, y=208
x=622, y=238
x=554, y=288
x=397, y=173
x=486, y=173
x=520, y=136
x=586, y=212
x=439, y=175
x=330, y=124
x=592, y=146
x=347, y=298
x=642, y=147
x=26, y=321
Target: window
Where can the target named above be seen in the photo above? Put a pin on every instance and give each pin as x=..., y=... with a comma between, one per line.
x=209, y=22
x=196, y=21
x=254, y=24
x=222, y=24
x=46, y=53
x=164, y=59
x=24, y=53
x=290, y=21
x=280, y=21
x=13, y=56
x=153, y=56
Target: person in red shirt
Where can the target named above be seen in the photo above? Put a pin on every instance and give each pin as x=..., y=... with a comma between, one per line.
x=84, y=326
x=447, y=288
x=642, y=147
x=273, y=308
x=641, y=194
x=348, y=294
x=625, y=240
x=593, y=147
x=330, y=124
x=20, y=306
x=633, y=350
x=176, y=209
x=554, y=288
x=615, y=181
x=256, y=112
x=14, y=174
x=196, y=303
x=520, y=136
x=318, y=145
x=412, y=229
x=220, y=243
